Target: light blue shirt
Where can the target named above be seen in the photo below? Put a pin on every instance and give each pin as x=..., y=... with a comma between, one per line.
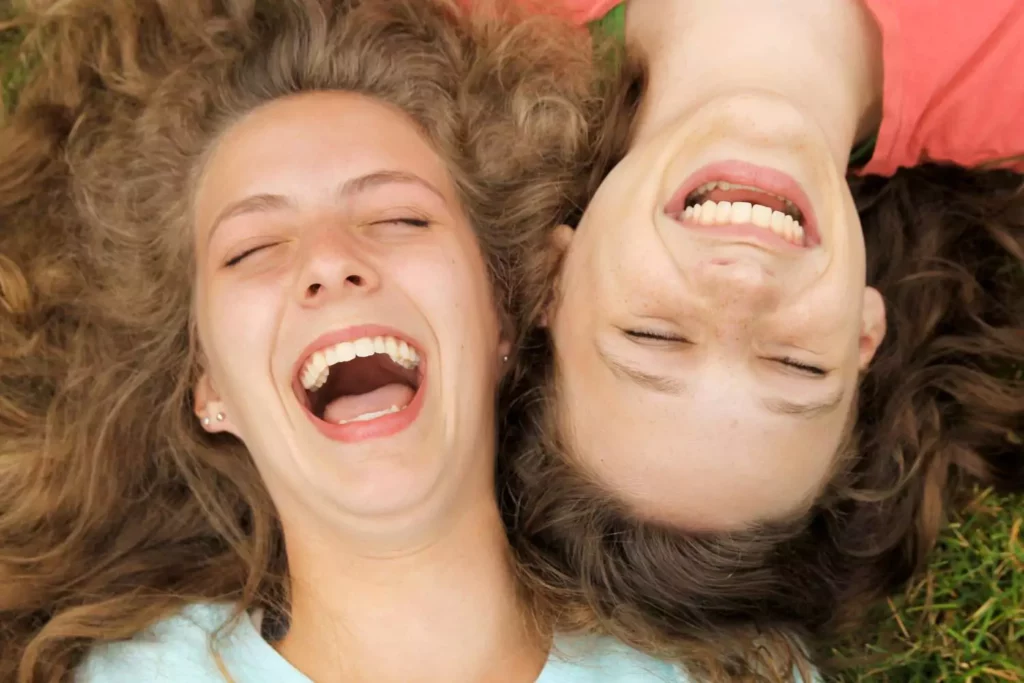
x=181, y=650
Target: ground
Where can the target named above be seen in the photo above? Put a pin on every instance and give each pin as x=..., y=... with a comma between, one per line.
x=962, y=621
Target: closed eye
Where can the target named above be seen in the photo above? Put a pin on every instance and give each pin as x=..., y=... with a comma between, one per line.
x=802, y=367
x=414, y=222
x=234, y=261
x=655, y=336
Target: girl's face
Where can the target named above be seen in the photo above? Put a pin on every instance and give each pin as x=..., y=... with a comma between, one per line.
x=713, y=317
x=345, y=314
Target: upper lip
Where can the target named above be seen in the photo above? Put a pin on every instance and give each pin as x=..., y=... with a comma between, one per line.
x=349, y=334
x=768, y=179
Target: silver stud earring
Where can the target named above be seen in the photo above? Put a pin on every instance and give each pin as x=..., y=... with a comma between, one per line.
x=206, y=422
x=220, y=417
x=504, y=359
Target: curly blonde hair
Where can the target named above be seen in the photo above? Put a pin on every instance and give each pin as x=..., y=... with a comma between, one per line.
x=116, y=509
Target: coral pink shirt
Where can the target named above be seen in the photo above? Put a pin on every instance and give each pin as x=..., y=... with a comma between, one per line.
x=585, y=11
x=954, y=83
x=953, y=80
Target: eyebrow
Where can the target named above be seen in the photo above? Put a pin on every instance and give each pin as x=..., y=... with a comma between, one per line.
x=658, y=383
x=264, y=202
x=808, y=410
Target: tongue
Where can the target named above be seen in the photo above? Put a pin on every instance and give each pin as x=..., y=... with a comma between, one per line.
x=752, y=196
x=349, y=408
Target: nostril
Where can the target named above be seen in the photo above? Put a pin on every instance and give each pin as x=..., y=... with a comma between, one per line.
x=355, y=280
x=313, y=290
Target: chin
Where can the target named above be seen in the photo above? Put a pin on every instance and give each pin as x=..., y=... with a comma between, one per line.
x=380, y=489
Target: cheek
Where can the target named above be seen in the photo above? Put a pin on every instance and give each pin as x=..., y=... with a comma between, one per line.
x=826, y=319
x=240, y=326
x=453, y=292
x=618, y=268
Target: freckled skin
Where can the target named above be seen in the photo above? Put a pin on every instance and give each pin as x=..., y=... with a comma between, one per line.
x=700, y=429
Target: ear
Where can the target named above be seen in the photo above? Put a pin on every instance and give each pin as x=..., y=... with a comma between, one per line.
x=505, y=363
x=558, y=244
x=210, y=409
x=560, y=240
x=872, y=325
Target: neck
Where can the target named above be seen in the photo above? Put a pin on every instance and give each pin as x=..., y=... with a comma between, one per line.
x=443, y=607
x=822, y=55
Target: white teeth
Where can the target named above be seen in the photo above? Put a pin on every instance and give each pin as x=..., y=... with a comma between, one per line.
x=723, y=213
x=366, y=417
x=346, y=351
x=745, y=213
x=741, y=212
x=314, y=374
x=761, y=216
x=714, y=185
x=778, y=218
x=364, y=348
x=315, y=366
x=708, y=213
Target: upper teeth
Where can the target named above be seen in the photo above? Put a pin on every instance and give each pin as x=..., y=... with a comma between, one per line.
x=317, y=368
x=744, y=213
x=722, y=185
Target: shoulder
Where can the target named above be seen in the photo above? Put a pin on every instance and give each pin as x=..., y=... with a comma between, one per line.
x=592, y=659
x=179, y=648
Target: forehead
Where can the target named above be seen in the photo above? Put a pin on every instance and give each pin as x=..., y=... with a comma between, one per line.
x=706, y=459
x=298, y=144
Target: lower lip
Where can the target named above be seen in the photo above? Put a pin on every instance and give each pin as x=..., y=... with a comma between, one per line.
x=743, y=173
x=745, y=234
x=377, y=428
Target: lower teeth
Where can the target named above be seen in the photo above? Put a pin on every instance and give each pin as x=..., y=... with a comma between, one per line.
x=366, y=417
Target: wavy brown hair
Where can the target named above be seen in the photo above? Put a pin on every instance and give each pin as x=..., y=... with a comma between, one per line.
x=938, y=411
x=116, y=509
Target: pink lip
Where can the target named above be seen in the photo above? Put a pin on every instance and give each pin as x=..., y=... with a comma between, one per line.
x=749, y=234
x=767, y=179
x=381, y=427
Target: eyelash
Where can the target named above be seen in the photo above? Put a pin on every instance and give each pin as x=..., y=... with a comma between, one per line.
x=414, y=222
x=802, y=367
x=657, y=336
x=234, y=261
x=796, y=365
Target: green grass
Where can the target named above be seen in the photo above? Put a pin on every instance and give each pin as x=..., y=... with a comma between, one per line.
x=963, y=620
x=10, y=71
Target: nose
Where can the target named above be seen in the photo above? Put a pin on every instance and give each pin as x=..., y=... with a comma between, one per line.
x=336, y=263
x=735, y=288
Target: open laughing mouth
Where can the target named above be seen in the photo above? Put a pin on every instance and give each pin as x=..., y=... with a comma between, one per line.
x=361, y=383
x=740, y=199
